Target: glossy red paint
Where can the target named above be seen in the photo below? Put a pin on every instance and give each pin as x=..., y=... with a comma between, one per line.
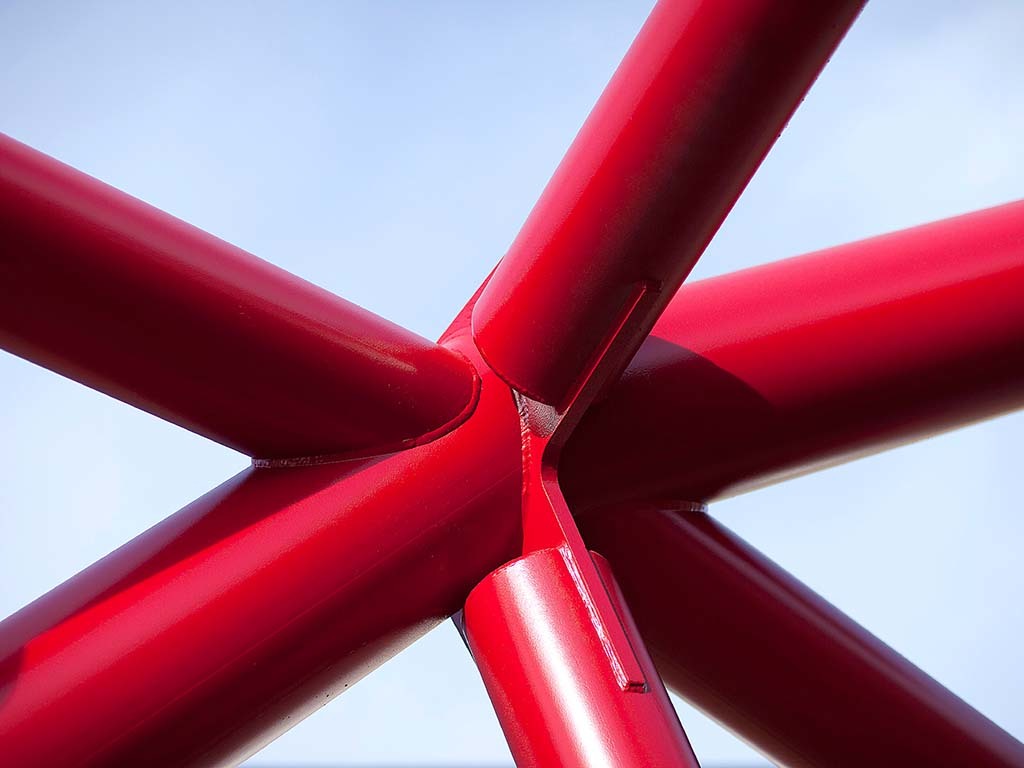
x=775, y=371
x=207, y=636
x=218, y=629
x=546, y=671
x=689, y=114
x=561, y=660
x=695, y=105
x=586, y=240
x=111, y=292
x=757, y=650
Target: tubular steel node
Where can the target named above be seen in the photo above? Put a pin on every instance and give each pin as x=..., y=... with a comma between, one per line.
x=525, y=473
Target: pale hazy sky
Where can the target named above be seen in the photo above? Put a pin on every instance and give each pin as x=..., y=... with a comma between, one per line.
x=389, y=152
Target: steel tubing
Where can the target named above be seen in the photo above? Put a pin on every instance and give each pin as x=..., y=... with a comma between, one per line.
x=215, y=631
x=775, y=371
x=688, y=116
x=549, y=676
x=107, y=290
x=758, y=651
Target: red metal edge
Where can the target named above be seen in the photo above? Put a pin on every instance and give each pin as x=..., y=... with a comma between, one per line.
x=758, y=651
x=760, y=375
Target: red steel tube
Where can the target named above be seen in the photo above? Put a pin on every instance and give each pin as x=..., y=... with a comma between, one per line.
x=549, y=676
x=778, y=370
x=218, y=629
x=688, y=116
x=107, y=290
x=758, y=651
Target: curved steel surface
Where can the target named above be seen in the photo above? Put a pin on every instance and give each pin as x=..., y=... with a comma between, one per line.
x=126, y=299
x=218, y=629
x=775, y=371
x=758, y=651
x=548, y=674
x=212, y=633
x=693, y=108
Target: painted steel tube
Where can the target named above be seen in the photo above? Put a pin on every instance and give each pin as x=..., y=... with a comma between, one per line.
x=775, y=371
x=758, y=651
x=550, y=678
x=693, y=108
x=107, y=290
x=223, y=626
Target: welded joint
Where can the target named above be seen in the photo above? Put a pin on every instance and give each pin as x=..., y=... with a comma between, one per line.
x=383, y=450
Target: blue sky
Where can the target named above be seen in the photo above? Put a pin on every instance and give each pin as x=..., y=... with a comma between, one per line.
x=389, y=152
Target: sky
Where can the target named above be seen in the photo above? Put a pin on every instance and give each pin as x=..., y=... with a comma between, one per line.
x=389, y=152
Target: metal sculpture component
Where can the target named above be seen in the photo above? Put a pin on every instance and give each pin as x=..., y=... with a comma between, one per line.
x=539, y=473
